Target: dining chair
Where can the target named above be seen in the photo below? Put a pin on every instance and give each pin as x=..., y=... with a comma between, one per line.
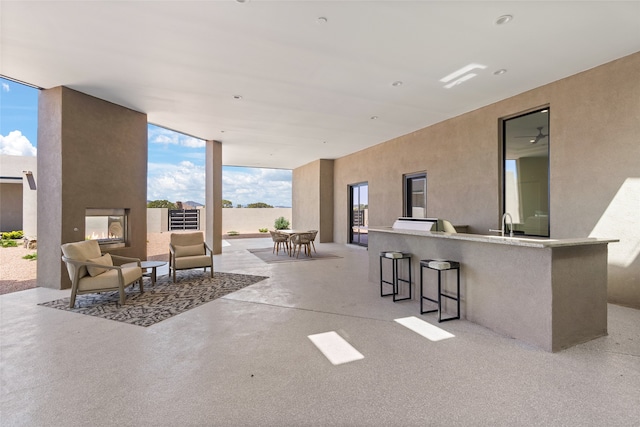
x=279, y=239
x=313, y=233
x=298, y=241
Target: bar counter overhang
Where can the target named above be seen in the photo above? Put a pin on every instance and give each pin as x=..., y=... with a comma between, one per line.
x=550, y=293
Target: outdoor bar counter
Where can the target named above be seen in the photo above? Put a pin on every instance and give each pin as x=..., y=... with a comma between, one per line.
x=550, y=293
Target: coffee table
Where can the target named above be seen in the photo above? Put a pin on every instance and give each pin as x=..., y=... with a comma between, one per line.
x=151, y=265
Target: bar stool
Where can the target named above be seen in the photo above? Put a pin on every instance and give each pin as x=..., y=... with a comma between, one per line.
x=395, y=256
x=440, y=266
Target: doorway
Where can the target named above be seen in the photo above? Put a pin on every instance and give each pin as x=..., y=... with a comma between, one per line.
x=359, y=214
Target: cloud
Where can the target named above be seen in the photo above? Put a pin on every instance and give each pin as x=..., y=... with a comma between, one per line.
x=6, y=87
x=158, y=135
x=16, y=144
x=182, y=182
x=186, y=182
x=251, y=185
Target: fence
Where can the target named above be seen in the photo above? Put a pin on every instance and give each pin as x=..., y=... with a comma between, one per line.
x=184, y=219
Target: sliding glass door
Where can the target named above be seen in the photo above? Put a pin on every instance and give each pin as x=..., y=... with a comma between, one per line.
x=359, y=214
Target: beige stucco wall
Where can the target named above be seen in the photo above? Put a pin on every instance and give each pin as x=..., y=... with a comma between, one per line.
x=305, y=191
x=594, y=159
x=312, y=190
x=325, y=232
x=18, y=202
x=11, y=206
x=213, y=196
x=249, y=221
x=243, y=220
x=91, y=154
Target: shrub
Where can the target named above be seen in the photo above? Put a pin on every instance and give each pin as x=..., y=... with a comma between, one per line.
x=259, y=205
x=263, y=230
x=31, y=257
x=281, y=223
x=232, y=233
x=162, y=204
x=12, y=235
x=8, y=243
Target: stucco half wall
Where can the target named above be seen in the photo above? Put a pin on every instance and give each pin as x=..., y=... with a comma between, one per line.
x=242, y=220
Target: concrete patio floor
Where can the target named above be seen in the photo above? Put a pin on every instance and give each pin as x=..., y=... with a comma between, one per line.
x=246, y=359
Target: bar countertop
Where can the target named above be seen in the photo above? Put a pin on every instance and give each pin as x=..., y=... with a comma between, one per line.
x=532, y=242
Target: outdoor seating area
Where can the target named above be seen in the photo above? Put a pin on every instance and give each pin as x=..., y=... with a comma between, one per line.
x=294, y=241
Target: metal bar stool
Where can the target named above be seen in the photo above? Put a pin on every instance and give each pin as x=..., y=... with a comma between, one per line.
x=440, y=266
x=394, y=256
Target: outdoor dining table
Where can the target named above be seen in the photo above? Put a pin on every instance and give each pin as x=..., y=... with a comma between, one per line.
x=291, y=233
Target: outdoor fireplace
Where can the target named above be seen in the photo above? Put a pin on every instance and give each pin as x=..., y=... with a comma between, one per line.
x=107, y=226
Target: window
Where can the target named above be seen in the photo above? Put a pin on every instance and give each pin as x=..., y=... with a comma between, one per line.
x=415, y=195
x=525, y=172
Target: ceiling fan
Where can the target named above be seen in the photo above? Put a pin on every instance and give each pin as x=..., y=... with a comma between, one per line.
x=536, y=138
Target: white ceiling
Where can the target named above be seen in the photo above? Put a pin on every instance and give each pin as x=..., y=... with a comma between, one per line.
x=308, y=89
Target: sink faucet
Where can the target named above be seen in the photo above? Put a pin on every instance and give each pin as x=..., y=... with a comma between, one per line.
x=504, y=217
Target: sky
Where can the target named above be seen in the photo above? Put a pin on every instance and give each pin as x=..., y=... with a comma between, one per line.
x=176, y=165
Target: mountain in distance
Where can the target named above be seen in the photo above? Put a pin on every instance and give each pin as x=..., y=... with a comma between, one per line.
x=192, y=205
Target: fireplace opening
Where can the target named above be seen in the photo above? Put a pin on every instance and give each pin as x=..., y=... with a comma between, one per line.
x=107, y=226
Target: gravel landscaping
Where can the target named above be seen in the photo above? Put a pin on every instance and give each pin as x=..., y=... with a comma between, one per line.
x=17, y=274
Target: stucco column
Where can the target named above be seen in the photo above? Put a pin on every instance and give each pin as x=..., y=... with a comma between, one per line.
x=312, y=198
x=213, y=196
x=91, y=154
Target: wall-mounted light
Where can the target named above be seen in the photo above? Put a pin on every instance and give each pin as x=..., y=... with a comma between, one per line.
x=30, y=179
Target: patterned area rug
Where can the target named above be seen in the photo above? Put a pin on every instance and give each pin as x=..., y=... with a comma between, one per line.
x=267, y=255
x=162, y=301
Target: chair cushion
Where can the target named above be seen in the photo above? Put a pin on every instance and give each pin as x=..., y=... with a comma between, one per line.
x=439, y=265
x=187, y=239
x=109, y=279
x=80, y=251
x=392, y=254
x=191, y=250
x=193, y=262
x=103, y=260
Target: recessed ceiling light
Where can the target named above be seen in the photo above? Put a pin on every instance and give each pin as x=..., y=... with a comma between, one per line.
x=504, y=19
x=500, y=72
x=322, y=20
x=544, y=111
x=374, y=117
x=237, y=96
x=396, y=83
x=461, y=71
